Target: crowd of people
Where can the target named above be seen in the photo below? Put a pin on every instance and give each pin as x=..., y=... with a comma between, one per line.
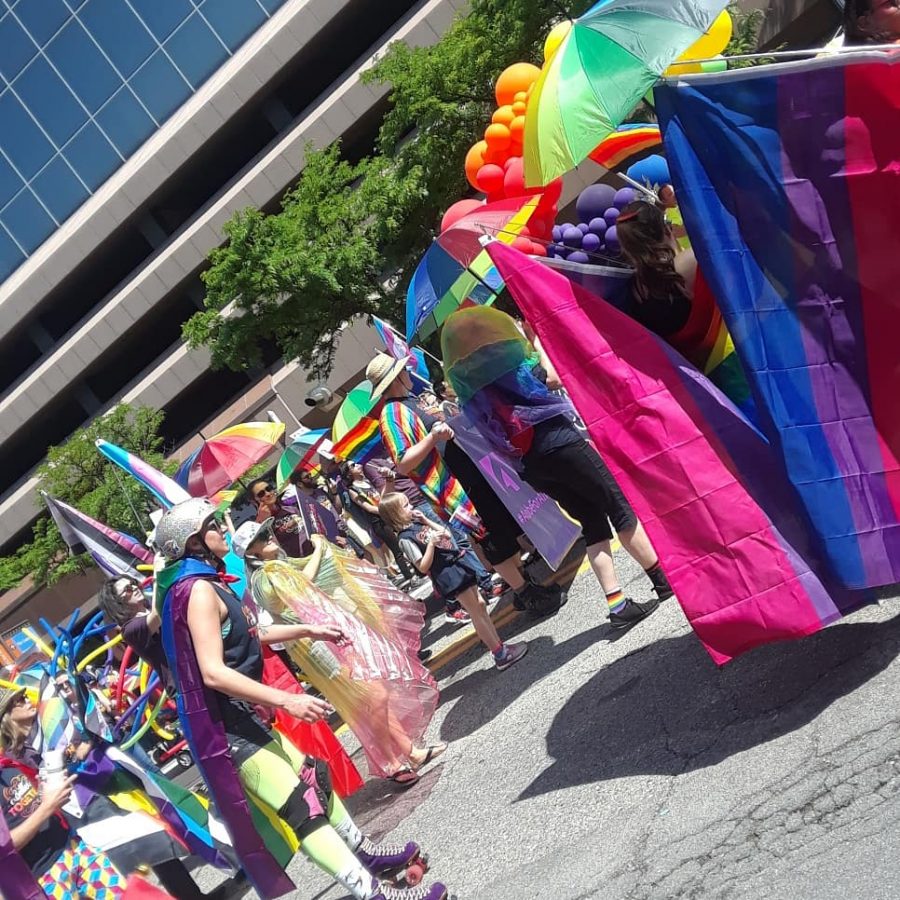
x=329, y=566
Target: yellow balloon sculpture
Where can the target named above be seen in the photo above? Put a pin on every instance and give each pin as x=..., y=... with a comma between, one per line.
x=555, y=38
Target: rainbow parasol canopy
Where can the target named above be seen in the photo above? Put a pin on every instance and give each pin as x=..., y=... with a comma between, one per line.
x=357, y=404
x=455, y=271
x=299, y=451
x=609, y=59
x=626, y=141
x=223, y=458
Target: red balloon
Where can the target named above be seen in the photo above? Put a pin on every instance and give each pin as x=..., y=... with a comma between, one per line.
x=514, y=179
x=539, y=227
x=523, y=244
x=457, y=211
x=509, y=162
x=538, y=249
x=490, y=179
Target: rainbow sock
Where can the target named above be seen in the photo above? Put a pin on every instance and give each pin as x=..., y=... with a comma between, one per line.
x=615, y=600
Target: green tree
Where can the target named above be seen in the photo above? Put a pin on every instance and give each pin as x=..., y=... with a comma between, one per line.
x=76, y=473
x=349, y=235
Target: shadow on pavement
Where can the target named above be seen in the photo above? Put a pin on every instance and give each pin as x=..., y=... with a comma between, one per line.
x=666, y=709
x=485, y=693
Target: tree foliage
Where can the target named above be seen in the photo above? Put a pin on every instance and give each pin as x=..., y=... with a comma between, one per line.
x=349, y=235
x=76, y=473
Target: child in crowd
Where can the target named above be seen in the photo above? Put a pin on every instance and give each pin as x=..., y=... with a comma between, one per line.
x=434, y=552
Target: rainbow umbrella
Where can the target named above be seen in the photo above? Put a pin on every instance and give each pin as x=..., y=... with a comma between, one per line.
x=223, y=458
x=167, y=491
x=299, y=451
x=455, y=271
x=609, y=59
x=626, y=141
x=357, y=404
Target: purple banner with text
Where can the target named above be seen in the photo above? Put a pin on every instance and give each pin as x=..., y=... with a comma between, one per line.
x=546, y=526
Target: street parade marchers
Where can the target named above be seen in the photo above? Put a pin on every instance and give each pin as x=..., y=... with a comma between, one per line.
x=703, y=368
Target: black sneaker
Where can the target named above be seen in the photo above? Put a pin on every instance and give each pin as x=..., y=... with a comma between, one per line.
x=632, y=613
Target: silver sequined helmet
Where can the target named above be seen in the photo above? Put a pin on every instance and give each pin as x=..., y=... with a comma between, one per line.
x=180, y=523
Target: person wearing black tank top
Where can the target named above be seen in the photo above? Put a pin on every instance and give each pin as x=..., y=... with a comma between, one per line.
x=225, y=639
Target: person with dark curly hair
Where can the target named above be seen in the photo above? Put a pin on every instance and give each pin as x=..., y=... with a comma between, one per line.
x=871, y=22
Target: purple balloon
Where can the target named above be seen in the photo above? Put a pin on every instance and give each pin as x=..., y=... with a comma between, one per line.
x=598, y=226
x=623, y=197
x=610, y=216
x=572, y=236
x=579, y=256
x=591, y=243
x=612, y=241
x=593, y=200
x=582, y=227
x=556, y=233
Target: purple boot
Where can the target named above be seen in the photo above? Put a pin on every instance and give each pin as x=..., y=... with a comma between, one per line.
x=423, y=892
x=383, y=859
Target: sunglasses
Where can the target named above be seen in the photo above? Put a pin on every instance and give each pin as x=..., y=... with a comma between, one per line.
x=129, y=590
x=268, y=489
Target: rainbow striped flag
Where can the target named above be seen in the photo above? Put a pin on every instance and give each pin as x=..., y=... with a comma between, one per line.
x=401, y=428
x=787, y=179
x=361, y=443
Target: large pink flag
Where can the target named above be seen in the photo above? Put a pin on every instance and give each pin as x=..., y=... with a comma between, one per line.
x=672, y=441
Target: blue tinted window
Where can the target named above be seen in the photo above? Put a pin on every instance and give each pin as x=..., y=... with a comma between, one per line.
x=50, y=101
x=125, y=122
x=10, y=255
x=16, y=48
x=117, y=30
x=83, y=66
x=10, y=183
x=27, y=220
x=196, y=50
x=92, y=156
x=22, y=140
x=233, y=20
x=162, y=17
x=60, y=190
x=160, y=86
x=272, y=5
x=42, y=18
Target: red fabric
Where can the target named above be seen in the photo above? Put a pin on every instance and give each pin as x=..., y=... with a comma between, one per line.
x=317, y=740
x=138, y=889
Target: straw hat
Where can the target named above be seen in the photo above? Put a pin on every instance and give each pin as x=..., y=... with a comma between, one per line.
x=8, y=697
x=382, y=371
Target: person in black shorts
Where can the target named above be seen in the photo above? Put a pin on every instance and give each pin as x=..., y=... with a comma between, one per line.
x=412, y=438
x=555, y=458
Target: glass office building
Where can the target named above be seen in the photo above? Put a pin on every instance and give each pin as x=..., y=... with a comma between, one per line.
x=83, y=83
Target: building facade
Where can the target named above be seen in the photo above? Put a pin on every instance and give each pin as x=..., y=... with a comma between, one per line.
x=130, y=131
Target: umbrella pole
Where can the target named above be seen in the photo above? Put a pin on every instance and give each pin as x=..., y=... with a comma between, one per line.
x=787, y=54
x=141, y=526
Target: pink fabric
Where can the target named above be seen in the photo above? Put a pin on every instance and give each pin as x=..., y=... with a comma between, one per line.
x=738, y=581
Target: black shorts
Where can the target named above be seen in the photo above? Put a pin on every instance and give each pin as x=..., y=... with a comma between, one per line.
x=502, y=540
x=578, y=480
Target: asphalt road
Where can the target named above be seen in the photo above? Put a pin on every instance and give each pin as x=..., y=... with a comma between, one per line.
x=638, y=770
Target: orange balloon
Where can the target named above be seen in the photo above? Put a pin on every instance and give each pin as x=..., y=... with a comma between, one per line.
x=522, y=96
x=517, y=129
x=517, y=77
x=519, y=107
x=474, y=161
x=503, y=116
x=497, y=136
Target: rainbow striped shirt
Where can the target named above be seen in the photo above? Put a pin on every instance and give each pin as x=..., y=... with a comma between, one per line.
x=402, y=428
